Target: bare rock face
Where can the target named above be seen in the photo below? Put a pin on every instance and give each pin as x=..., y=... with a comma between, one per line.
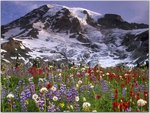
x=83, y=39
x=115, y=21
x=63, y=21
x=90, y=20
x=113, y=17
x=138, y=45
x=13, y=48
x=75, y=27
x=33, y=33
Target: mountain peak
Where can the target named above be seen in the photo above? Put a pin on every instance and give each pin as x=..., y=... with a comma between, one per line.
x=76, y=34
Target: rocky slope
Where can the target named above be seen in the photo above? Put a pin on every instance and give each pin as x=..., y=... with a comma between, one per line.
x=54, y=32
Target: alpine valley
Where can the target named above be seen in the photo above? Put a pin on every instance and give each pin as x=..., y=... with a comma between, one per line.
x=59, y=33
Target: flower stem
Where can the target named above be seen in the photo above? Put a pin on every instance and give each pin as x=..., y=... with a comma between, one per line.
x=45, y=103
x=11, y=106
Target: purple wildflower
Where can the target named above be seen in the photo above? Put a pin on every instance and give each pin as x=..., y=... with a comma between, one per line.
x=51, y=108
x=71, y=94
x=141, y=88
x=23, y=101
x=112, y=96
x=41, y=104
x=77, y=107
x=20, y=82
x=128, y=109
x=28, y=93
x=104, y=86
x=63, y=88
x=124, y=92
x=32, y=87
x=50, y=78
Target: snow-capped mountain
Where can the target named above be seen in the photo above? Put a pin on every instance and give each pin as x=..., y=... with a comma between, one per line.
x=54, y=32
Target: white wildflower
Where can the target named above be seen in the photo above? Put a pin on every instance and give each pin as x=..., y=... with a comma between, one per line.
x=126, y=75
x=71, y=106
x=83, y=69
x=77, y=85
x=41, y=80
x=35, y=96
x=91, y=86
x=59, y=74
x=107, y=73
x=43, y=90
x=53, y=88
x=71, y=75
x=97, y=71
x=77, y=98
x=141, y=102
x=100, y=77
x=10, y=95
x=86, y=105
x=8, y=77
x=30, y=79
x=72, y=67
x=50, y=66
x=80, y=82
x=55, y=98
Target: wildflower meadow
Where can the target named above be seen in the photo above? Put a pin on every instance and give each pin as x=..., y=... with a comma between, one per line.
x=48, y=88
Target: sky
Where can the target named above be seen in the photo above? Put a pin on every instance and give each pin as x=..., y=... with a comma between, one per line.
x=131, y=11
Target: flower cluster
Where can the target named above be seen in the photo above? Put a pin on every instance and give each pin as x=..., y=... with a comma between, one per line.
x=76, y=89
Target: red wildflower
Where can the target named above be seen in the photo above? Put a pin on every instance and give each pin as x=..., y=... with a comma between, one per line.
x=89, y=71
x=98, y=97
x=125, y=105
x=49, y=86
x=116, y=94
x=40, y=71
x=122, y=85
x=33, y=71
x=116, y=91
x=95, y=68
x=145, y=94
x=123, y=99
x=138, y=96
x=120, y=106
x=115, y=106
x=47, y=68
x=79, y=75
x=131, y=93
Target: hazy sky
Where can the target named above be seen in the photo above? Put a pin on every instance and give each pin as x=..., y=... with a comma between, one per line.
x=131, y=11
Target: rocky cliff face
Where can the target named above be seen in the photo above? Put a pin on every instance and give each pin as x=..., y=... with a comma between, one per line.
x=54, y=32
x=115, y=21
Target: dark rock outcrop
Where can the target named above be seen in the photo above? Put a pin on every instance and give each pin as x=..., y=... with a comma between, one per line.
x=115, y=21
x=138, y=45
x=83, y=39
x=90, y=20
x=13, y=48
